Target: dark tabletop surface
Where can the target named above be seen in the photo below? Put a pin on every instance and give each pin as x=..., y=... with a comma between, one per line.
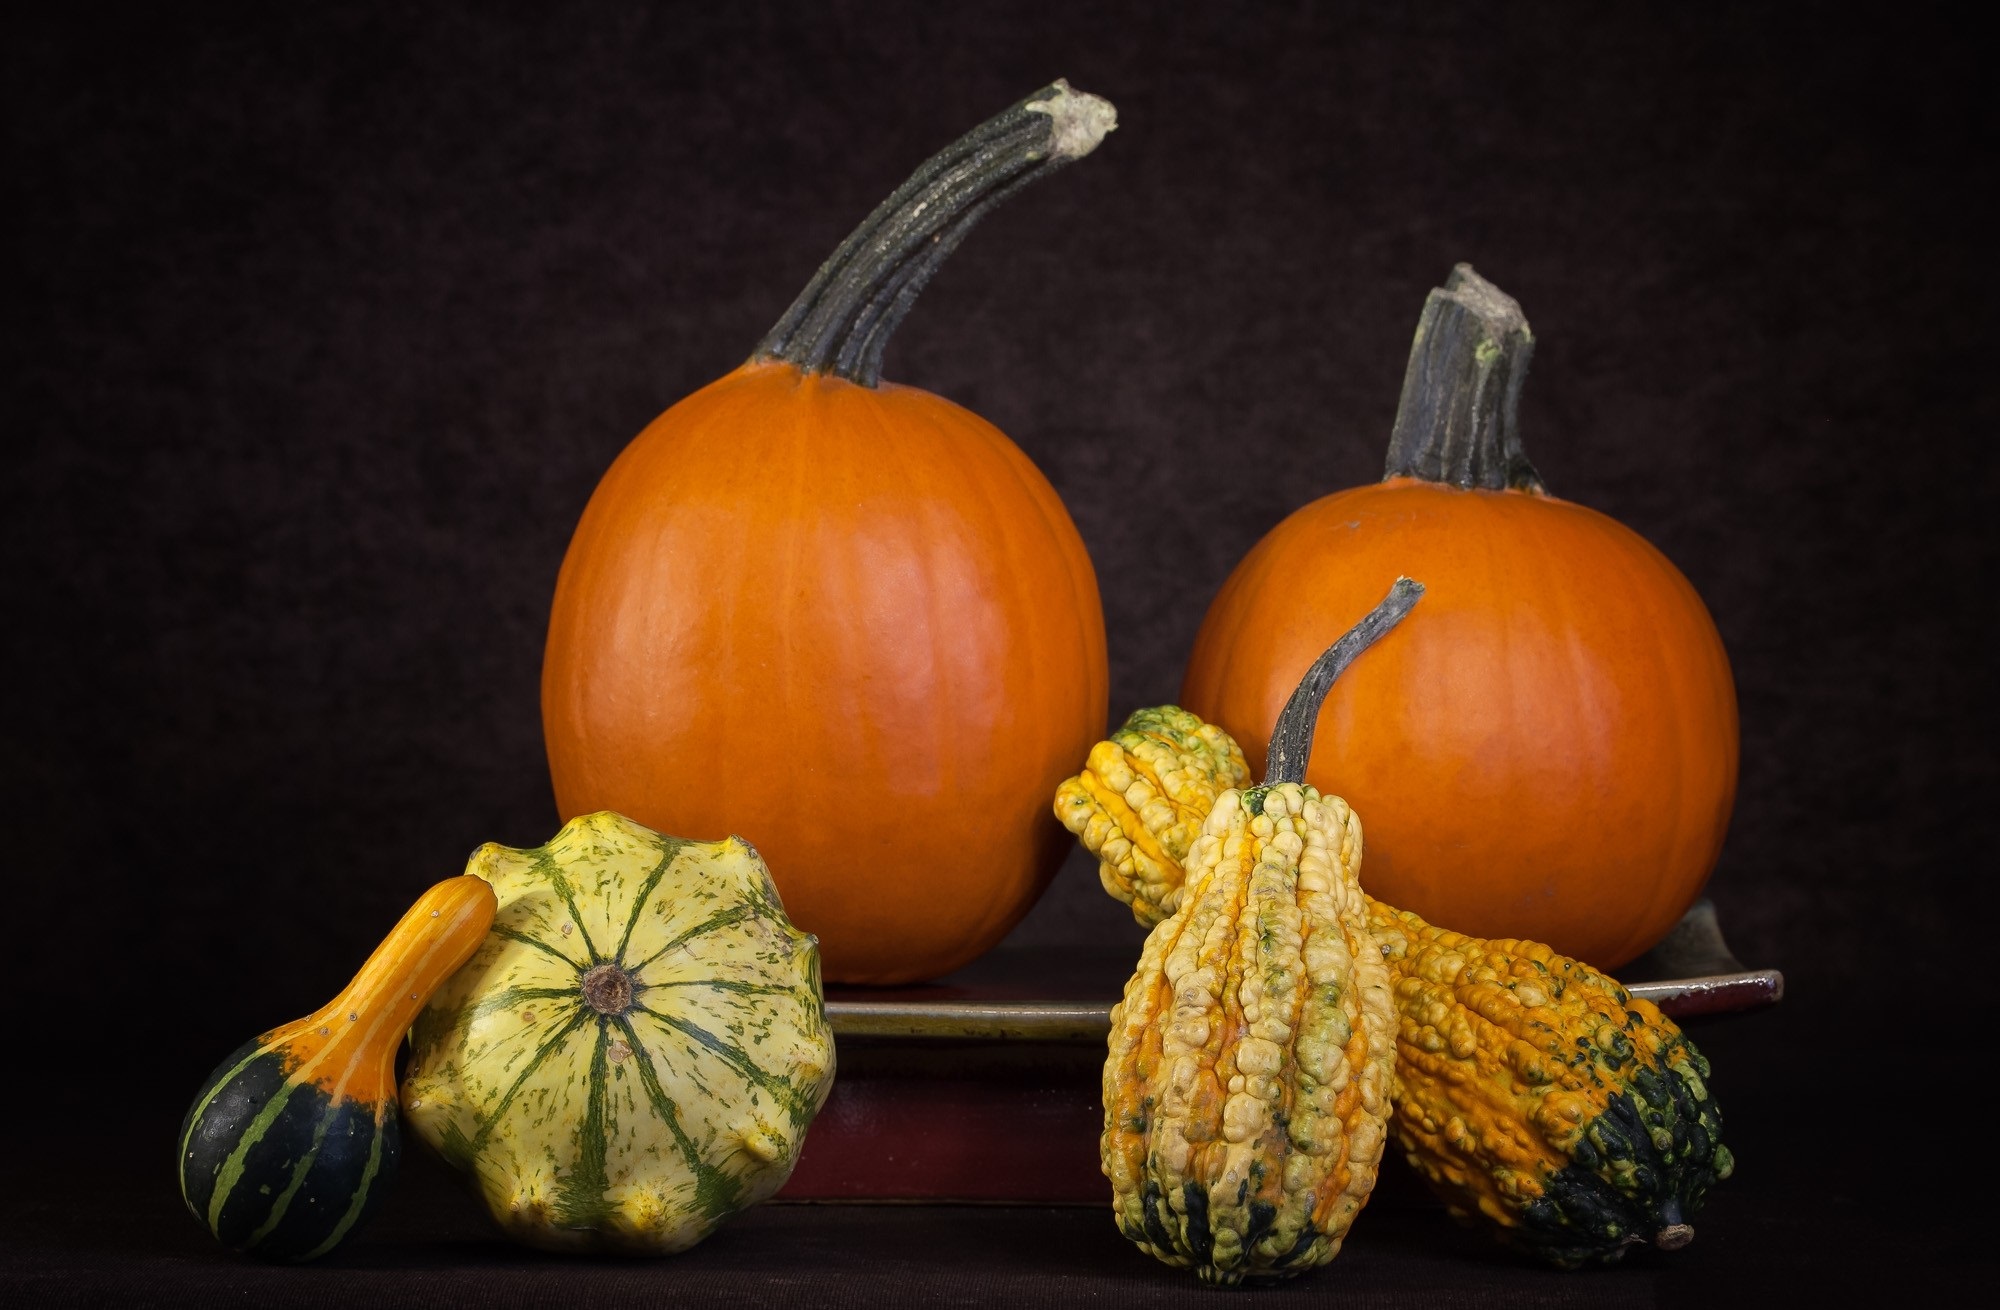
x=1833, y=1191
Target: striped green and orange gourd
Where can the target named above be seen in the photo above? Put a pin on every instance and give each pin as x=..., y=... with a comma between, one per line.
x=290, y=1145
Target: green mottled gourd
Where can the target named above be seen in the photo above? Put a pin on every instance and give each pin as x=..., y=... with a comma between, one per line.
x=1535, y=1095
x=635, y=1051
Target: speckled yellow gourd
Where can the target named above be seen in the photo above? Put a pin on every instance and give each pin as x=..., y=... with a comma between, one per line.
x=1250, y=1064
x=1534, y=1094
x=1248, y=1079
x=1141, y=798
x=637, y=1048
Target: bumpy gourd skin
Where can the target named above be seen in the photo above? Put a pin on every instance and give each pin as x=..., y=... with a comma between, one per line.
x=1535, y=1092
x=1247, y=1087
x=1141, y=799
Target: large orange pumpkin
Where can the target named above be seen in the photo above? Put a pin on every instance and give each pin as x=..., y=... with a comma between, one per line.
x=1549, y=750
x=846, y=620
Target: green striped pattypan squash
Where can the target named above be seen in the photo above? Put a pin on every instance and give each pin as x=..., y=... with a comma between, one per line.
x=634, y=1053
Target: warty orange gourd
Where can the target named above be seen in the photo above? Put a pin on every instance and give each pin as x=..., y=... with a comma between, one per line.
x=1535, y=1095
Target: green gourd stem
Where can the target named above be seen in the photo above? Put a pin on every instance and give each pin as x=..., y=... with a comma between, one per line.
x=1292, y=739
x=845, y=316
x=1459, y=420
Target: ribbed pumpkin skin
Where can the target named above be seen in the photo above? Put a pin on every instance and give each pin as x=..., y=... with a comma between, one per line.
x=1248, y=1078
x=1548, y=750
x=293, y=1141
x=854, y=625
x=1537, y=1093
x=637, y=1048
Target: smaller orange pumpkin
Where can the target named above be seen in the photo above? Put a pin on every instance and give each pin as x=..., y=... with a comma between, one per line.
x=1550, y=749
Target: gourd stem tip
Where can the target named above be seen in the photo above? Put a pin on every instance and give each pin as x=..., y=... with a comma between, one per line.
x=1292, y=737
x=1080, y=119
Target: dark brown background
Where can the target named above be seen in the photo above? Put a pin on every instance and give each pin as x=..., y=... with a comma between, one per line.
x=324, y=327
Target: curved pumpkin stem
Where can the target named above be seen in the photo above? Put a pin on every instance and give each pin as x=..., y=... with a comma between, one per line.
x=1459, y=419
x=844, y=317
x=1292, y=738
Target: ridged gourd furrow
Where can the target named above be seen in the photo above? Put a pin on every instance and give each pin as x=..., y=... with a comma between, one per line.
x=1248, y=1078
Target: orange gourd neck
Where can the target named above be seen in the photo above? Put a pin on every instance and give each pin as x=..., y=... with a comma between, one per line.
x=843, y=319
x=1458, y=423
x=348, y=1046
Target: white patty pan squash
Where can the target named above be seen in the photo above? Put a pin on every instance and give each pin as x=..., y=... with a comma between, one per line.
x=634, y=1053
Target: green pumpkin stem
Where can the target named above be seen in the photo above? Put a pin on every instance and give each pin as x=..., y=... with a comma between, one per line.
x=1459, y=420
x=844, y=317
x=1292, y=738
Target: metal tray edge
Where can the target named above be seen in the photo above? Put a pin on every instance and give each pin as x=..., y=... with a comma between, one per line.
x=1086, y=1021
